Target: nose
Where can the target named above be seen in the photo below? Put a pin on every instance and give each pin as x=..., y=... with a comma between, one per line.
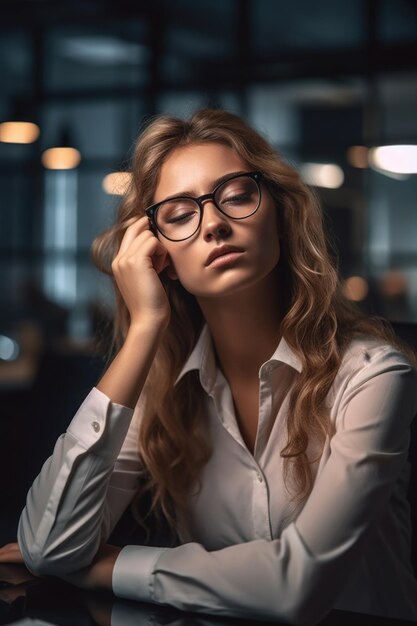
x=214, y=224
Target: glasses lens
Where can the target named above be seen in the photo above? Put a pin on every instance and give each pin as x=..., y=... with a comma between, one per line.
x=238, y=197
x=178, y=219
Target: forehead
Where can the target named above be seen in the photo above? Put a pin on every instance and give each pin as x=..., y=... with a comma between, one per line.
x=194, y=168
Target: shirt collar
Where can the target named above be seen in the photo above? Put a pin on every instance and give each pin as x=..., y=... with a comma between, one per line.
x=202, y=358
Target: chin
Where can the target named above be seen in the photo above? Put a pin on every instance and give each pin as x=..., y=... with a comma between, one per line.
x=231, y=285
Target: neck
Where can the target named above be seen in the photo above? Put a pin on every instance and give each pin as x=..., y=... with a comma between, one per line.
x=245, y=327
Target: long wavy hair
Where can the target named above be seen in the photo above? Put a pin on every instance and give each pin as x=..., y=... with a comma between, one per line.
x=318, y=321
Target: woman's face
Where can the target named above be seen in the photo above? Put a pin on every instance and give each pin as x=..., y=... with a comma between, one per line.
x=192, y=170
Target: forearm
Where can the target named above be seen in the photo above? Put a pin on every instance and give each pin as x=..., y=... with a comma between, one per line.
x=60, y=528
x=126, y=376
x=62, y=525
x=136, y=268
x=276, y=580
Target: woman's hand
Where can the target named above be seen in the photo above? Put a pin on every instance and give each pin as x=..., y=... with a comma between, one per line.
x=13, y=572
x=98, y=575
x=141, y=257
x=10, y=553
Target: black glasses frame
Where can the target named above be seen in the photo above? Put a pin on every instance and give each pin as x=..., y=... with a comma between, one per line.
x=152, y=210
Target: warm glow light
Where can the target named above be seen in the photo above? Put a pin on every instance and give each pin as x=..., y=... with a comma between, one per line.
x=358, y=156
x=61, y=158
x=356, y=288
x=322, y=175
x=393, y=284
x=400, y=159
x=19, y=132
x=117, y=183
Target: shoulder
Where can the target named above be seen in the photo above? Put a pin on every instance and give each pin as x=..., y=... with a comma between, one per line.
x=371, y=355
x=371, y=366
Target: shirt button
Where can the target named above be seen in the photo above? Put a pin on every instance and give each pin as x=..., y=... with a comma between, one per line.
x=260, y=477
x=96, y=426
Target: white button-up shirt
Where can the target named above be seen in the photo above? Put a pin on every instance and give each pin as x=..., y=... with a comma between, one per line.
x=248, y=551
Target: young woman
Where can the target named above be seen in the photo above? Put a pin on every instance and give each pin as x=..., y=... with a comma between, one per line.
x=267, y=417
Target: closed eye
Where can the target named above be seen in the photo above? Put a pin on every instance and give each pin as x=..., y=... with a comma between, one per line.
x=244, y=197
x=181, y=218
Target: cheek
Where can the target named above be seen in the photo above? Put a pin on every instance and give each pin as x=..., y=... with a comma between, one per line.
x=181, y=265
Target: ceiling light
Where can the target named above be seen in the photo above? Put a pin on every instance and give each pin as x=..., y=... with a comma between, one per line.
x=18, y=126
x=397, y=159
x=19, y=132
x=63, y=156
x=326, y=175
x=117, y=183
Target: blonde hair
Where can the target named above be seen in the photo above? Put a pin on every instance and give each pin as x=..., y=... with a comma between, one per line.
x=318, y=321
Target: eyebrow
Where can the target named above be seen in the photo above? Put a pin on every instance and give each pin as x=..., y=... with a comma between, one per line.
x=214, y=184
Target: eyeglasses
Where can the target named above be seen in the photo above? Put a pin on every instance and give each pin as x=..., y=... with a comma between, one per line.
x=180, y=217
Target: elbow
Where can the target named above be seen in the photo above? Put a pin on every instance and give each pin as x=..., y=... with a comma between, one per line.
x=32, y=556
x=44, y=559
x=34, y=559
x=40, y=563
x=37, y=564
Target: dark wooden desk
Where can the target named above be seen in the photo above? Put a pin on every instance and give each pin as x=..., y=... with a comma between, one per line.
x=57, y=603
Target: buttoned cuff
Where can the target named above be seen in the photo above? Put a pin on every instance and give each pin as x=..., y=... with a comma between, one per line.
x=133, y=572
x=100, y=423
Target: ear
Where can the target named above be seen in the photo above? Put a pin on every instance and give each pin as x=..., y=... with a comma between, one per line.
x=170, y=272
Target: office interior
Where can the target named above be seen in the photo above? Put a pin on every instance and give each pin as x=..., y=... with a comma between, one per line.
x=333, y=85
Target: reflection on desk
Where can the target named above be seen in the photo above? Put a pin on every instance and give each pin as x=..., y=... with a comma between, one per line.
x=24, y=597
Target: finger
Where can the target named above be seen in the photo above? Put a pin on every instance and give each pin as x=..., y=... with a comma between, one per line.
x=139, y=225
x=134, y=253
x=145, y=252
x=152, y=249
x=8, y=548
x=11, y=557
x=145, y=245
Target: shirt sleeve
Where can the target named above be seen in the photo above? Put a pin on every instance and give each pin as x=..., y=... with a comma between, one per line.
x=297, y=577
x=82, y=489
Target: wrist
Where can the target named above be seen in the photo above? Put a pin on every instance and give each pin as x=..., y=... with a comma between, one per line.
x=150, y=326
x=104, y=564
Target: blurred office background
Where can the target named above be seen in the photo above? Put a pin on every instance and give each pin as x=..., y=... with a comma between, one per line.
x=330, y=83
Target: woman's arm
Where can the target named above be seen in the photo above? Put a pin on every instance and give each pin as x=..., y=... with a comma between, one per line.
x=81, y=490
x=298, y=577
x=140, y=259
x=66, y=514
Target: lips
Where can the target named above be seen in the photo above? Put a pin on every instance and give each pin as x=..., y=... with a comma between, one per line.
x=220, y=251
